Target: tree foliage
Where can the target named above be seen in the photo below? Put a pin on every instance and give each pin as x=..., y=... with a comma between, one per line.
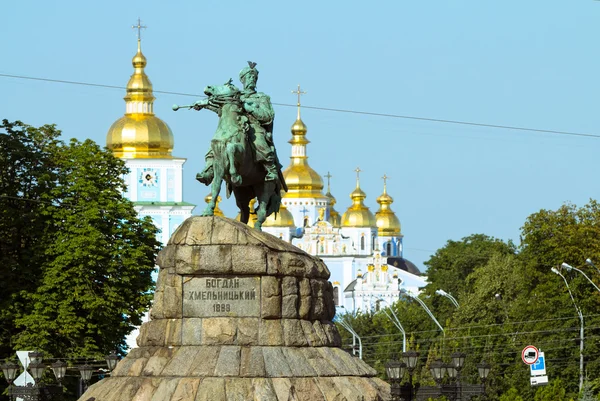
x=75, y=261
x=509, y=298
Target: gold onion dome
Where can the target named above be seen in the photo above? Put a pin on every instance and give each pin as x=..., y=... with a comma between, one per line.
x=218, y=211
x=302, y=181
x=284, y=218
x=358, y=215
x=252, y=218
x=388, y=223
x=139, y=133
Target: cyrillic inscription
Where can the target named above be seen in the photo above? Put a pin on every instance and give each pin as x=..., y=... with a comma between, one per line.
x=215, y=296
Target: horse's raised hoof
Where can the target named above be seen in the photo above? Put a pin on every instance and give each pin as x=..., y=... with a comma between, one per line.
x=208, y=212
x=258, y=226
x=236, y=180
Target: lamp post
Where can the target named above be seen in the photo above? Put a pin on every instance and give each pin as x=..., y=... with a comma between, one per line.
x=355, y=336
x=483, y=368
x=60, y=370
x=569, y=268
x=111, y=360
x=394, y=319
x=10, y=371
x=589, y=262
x=555, y=271
x=420, y=301
x=395, y=371
x=450, y=297
x=458, y=361
x=86, y=374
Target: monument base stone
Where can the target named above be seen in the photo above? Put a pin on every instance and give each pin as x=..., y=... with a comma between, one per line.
x=239, y=315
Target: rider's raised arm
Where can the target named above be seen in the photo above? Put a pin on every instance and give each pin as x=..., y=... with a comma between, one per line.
x=205, y=104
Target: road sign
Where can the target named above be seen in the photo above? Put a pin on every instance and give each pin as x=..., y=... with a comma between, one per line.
x=530, y=355
x=538, y=380
x=539, y=367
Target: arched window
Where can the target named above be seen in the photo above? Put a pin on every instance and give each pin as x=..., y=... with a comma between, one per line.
x=388, y=249
x=362, y=243
x=336, y=296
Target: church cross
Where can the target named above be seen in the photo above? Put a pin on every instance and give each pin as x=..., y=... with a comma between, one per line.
x=139, y=28
x=358, y=170
x=328, y=176
x=385, y=178
x=299, y=93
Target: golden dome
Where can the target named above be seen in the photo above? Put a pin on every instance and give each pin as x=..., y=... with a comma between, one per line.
x=139, y=133
x=284, y=218
x=302, y=181
x=358, y=215
x=252, y=218
x=218, y=211
x=388, y=224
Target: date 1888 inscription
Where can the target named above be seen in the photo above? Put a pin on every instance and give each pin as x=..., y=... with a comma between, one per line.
x=215, y=296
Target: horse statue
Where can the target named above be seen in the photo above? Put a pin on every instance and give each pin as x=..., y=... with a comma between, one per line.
x=232, y=157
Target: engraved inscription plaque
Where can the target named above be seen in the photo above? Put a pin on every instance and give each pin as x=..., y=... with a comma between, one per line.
x=221, y=296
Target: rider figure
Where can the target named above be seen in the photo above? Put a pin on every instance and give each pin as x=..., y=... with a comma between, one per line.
x=260, y=114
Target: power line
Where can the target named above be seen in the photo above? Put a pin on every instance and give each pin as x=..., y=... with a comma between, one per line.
x=347, y=111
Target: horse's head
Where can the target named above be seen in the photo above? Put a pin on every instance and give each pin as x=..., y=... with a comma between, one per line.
x=227, y=91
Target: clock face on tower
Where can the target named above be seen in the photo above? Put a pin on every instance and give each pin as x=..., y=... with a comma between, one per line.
x=149, y=177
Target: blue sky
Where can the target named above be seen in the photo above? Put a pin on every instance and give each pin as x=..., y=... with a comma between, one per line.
x=531, y=64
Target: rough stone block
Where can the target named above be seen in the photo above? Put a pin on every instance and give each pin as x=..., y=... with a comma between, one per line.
x=310, y=335
x=156, y=311
x=248, y=259
x=223, y=232
x=239, y=389
x=157, y=362
x=166, y=258
x=152, y=333
x=293, y=336
x=205, y=362
x=317, y=310
x=179, y=363
x=191, y=331
x=293, y=264
x=228, y=363
x=199, y=232
x=318, y=363
x=275, y=362
x=270, y=333
x=320, y=332
x=289, y=286
x=282, y=388
x=305, y=301
x=263, y=390
x=307, y=390
x=207, y=259
x=289, y=307
x=273, y=263
x=298, y=363
x=211, y=389
x=219, y=330
x=173, y=332
x=172, y=303
x=247, y=331
x=178, y=237
x=186, y=389
x=338, y=361
x=270, y=297
x=252, y=362
x=332, y=334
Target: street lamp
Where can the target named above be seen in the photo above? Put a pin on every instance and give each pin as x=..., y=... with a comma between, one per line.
x=86, y=374
x=438, y=370
x=111, y=360
x=395, y=372
x=555, y=271
x=60, y=370
x=420, y=301
x=483, y=368
x=450, y=297
x=589, y=262
x=568, y=268
x=394, y=319
x=36, y=357
x=10, y=370
x=37, y=371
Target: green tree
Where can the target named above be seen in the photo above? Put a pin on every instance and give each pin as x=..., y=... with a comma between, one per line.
x=80, y=259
